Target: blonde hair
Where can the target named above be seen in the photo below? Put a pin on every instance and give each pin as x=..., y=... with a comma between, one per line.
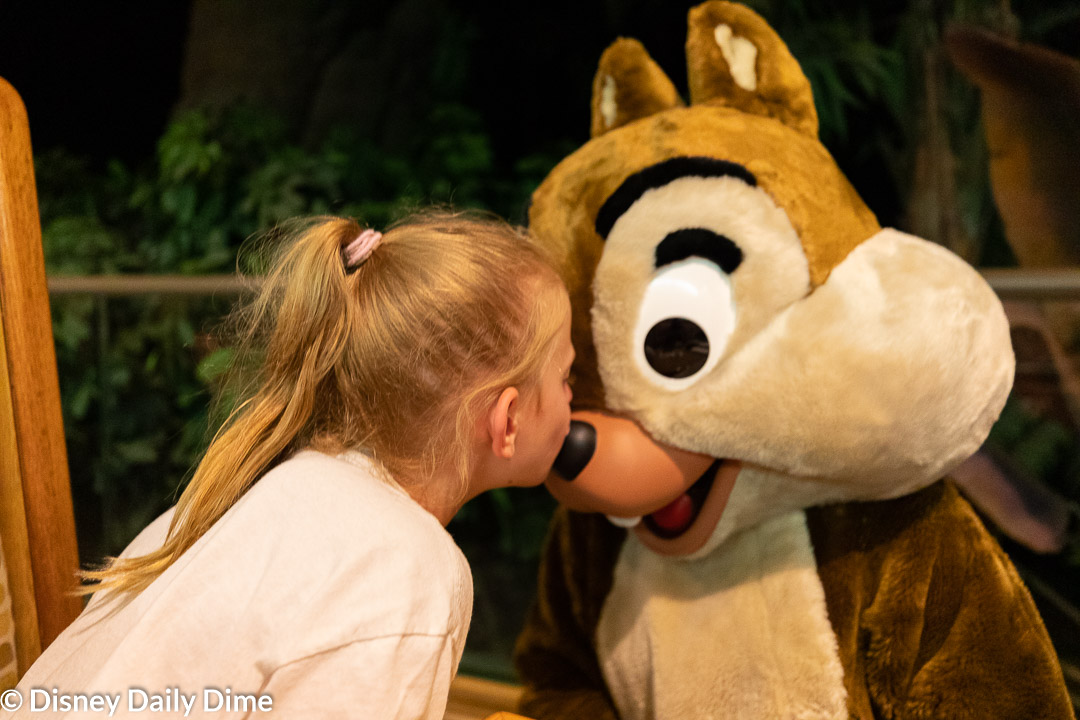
x=398, y=357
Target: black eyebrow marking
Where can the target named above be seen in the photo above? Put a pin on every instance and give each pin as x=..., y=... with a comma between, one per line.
x=699, y=242
x=659, y=175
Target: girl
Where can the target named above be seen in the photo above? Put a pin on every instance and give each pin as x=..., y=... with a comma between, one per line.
x=305, y=570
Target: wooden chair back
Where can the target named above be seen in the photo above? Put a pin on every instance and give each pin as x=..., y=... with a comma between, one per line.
x=37, y=527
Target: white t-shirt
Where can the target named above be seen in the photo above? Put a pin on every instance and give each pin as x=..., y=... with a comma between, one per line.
x=326, y=588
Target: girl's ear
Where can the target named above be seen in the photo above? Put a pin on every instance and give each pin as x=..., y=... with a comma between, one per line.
x=503, y=423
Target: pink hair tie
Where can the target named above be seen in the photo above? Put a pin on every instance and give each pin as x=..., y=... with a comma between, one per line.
x=356, y=252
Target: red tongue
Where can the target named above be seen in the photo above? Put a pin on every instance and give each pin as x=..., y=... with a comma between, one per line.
x=676, y=515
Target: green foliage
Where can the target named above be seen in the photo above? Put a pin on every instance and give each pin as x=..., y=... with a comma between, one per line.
x=136, y=372
x=1038, y=446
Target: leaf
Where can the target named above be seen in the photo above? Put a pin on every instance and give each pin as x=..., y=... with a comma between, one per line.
x=78, y=402
x=214, y=365
x=136, y=452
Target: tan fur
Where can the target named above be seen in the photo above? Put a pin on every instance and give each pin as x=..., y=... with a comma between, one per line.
x=767, y=609
x=760, y=494
x=844, y=385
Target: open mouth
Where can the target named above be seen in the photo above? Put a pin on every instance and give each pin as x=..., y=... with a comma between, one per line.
x=676, y=517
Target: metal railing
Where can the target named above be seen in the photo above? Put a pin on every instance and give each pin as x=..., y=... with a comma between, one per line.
x=1060, y=284
x=127, y=285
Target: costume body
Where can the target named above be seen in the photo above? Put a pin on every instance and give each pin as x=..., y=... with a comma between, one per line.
x=325, y=587
x=904, y=636
x=737, y=307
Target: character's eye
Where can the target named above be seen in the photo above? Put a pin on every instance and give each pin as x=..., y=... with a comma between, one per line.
x=687, y=315
x=676, y=347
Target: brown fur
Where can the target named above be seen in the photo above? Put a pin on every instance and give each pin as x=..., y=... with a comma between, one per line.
x=931, y=619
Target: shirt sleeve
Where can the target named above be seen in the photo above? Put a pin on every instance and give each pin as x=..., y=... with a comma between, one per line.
x=399, y=676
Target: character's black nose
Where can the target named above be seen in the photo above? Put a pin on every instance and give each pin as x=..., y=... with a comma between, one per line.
x=676, y=347
x=577, y=450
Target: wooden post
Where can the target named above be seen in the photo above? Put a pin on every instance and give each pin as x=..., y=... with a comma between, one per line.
x=33, y=387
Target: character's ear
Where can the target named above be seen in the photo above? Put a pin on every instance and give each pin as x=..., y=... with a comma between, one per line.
x=735, y=59
x=628, y=86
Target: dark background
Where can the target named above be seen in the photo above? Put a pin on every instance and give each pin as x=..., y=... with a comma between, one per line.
x=102, y=79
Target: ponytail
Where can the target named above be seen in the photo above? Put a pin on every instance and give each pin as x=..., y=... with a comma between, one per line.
x=303, y=311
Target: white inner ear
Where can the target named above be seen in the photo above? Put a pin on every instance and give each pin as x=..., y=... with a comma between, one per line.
x=608, y=107
x=740, y=54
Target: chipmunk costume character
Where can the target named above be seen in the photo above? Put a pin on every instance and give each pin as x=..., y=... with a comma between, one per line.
x=780, y=385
